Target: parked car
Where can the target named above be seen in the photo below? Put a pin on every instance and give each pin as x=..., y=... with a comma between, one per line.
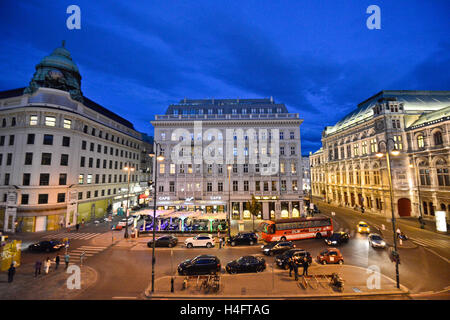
x=243, y=238
x=282, y=260
x=337, y=238
x=203, y=264
x=164, y=241
x=376, y=241
x=277, y=247
x=246, y=264
x=363, y=227
x=46, y=246
x=200, y=241
x=330, y=255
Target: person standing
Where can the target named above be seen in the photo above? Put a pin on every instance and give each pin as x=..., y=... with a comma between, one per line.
x=11, y=272
x=77, y=226
x=47, y=265
x=291, y=266
x=66, y=260
x=37, y=268
x=305, y=266
x=220, y=242
x=398, y=233
x=295, y=267
x=57, y=259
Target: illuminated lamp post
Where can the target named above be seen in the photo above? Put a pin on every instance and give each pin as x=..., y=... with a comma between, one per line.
x=129, y=170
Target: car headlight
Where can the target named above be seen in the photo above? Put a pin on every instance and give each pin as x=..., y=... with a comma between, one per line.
x=266, y=249
x=333, y=242
x=262, y=247
x=383, y=243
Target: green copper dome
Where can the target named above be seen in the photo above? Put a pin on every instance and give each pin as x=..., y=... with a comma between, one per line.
x=57, y=71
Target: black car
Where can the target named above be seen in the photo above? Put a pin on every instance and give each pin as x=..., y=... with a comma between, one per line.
x=243, y=238
x=282, y=260
x=337, y=238
x=246, y=264
x=165, y=241
x=47, y=246
x=204, y=264
x=277, y=247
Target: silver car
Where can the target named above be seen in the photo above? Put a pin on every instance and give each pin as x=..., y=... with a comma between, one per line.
x=376, y=241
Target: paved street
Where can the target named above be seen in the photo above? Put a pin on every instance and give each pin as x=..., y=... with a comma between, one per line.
x=123, y=267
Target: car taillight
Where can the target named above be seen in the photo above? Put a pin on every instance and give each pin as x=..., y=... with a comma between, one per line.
x=294, y=245
x=218, y=266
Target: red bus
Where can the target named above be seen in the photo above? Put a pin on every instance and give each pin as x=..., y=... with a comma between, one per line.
x=296, y=228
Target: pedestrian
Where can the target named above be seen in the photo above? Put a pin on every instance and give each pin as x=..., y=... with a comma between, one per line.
x=291, y=266
x=47, y=265
x=77, y=226
x=305, y=266
x=57, y=259
x=82, y=222
x=220, y=243
x=223, y=242
x=37, y=268
x=68, y=227
x=295, y=267
x=11, y=272
x=66, y=260
x=398, y=233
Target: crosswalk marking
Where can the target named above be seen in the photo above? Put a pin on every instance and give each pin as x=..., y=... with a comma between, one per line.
x=432, y=243
x=75, y=254
x=72, y=235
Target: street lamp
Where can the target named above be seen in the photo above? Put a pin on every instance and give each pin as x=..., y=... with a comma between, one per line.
x=379, y=154
x=229, y=200
x=129, y=170
x=158, y=157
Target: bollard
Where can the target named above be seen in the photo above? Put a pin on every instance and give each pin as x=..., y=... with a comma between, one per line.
x=171, y=285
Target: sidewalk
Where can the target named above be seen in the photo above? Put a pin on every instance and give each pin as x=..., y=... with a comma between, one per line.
x=52, y=286
x=277, y=284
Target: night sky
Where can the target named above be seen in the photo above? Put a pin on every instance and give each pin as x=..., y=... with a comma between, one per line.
x=317, y=57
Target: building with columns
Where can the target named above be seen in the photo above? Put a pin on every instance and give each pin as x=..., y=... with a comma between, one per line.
x=346, y=172
x=227, y=129
x=62, y=155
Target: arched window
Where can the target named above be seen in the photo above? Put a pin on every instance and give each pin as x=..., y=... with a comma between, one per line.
x=420, y=141
x=424, y=173
x=442, y=173
x=438, y=138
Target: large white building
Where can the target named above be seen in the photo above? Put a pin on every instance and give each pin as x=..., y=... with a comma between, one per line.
x=62, y=156
x=229, y=129
x=347, y=172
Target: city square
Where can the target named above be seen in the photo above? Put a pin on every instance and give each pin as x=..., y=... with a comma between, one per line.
x=119, y=183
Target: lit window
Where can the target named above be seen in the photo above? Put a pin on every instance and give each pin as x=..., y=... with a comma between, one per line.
x=81, y=179
x=420, y=141
x=89, y=178
x=67, y=123
x=50, y=121
x=33, y=120
x=172, y=168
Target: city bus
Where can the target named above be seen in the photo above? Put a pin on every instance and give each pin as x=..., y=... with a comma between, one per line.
x=296, y=228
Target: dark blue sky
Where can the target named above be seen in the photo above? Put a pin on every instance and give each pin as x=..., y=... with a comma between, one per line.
x=317, y=57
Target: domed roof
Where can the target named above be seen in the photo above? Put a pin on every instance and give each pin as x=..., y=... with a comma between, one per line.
x=60, y=58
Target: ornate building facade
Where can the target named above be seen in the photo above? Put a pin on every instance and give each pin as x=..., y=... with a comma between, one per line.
x=62, y=156
x=347, y=172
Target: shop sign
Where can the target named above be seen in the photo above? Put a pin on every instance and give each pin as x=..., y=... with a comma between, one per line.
x=163, y=198
x=215, y=198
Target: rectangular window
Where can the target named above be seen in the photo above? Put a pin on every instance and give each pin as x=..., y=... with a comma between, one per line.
x=257, y=185
x=43, y=198
x=89, y=179
x=25, y=198
x=398, y=142
x=61, y=197
x=294, y=185
x=283, y=185
x=9, y=159
x=44, y=179
x=356, y=150
x=33, y=120
x=28, y=158
x=30, y=138
x=235, y=185
x=62, y=179
x=245, y=185
x=46, y=159
x=6, y=179
x=50, y=121
x=64, y=160
x=66, y=142
x=292, y=135
x=26, y=179
x=274, y=186
x=48, y=139
x=91, y=147
x=80, y=195
x=81, y=179
x=172, y=186
x=82, y=160
x=266, y=186
x=220, y=186
x=67, y=123
x=2, y=140
x=11, y=140
x=209, y=187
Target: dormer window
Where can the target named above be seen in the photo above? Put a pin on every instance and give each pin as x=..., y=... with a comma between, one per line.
x=234, y=111
x=244, y=111
x=175, y=112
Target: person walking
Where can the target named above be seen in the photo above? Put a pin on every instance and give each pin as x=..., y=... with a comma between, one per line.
x=305, y=266
x=37, y=268
x=291, y=266
x=11, y=272
x=66, y=260
x=57, y=259
x=220, y=242
x=77, y=226
x=47, y=265
x=295, y=267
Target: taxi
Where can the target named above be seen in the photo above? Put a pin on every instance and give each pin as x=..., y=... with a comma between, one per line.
x=330, y=255
x=363, y=227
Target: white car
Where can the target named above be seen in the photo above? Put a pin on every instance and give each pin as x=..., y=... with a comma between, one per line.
x=376, y=241
x=200, y=241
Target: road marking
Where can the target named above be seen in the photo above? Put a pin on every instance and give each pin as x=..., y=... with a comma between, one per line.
x=432, y=243
x=72, y=235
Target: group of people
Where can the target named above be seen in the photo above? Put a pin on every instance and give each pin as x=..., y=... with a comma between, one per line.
x=77, y=226
x=294, y=263
x=221, y=241
x=47, y=263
